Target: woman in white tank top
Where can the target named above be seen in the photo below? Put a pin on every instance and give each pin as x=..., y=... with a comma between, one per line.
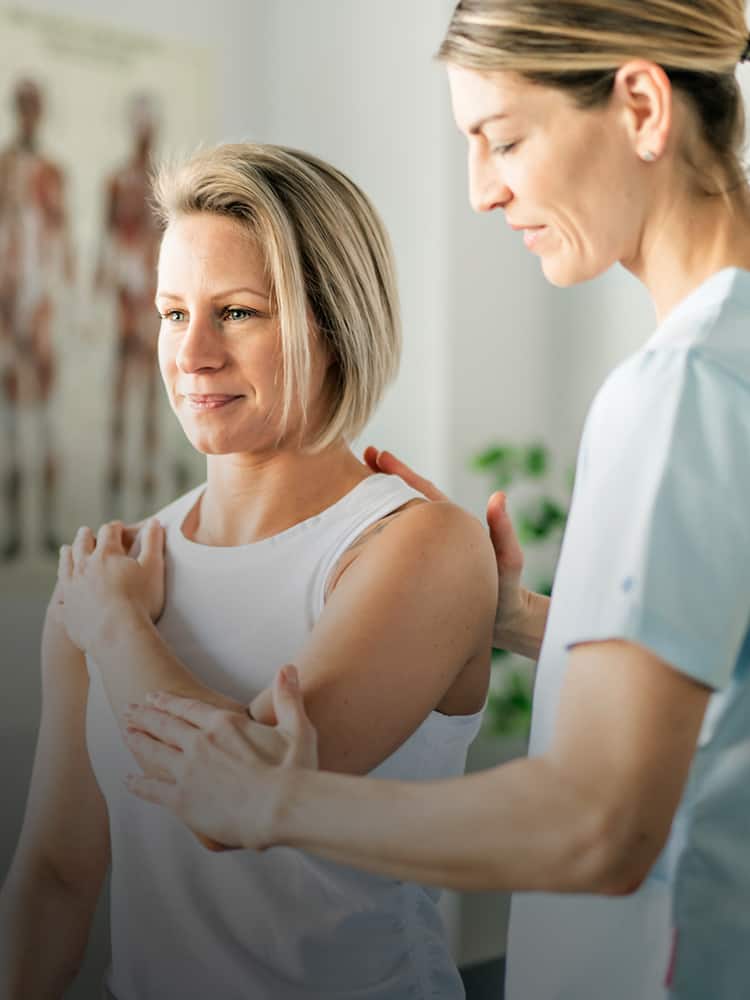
x=279, y=333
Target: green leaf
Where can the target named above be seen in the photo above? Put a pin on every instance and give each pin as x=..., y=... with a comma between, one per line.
x=499, y=654
x=535, y=461
x=509, y=710
x=490, y=457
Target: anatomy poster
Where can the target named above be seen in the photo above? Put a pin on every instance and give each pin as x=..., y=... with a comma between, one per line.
x=86, y=111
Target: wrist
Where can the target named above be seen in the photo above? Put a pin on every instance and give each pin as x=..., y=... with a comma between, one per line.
x=283, y=792
x=521, y=629
x=514, y=618
x=117, y=620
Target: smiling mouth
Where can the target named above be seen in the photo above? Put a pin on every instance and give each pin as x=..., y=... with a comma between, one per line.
x=212, y=402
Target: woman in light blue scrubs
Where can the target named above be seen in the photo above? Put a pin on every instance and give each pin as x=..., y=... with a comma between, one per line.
x=607, y=131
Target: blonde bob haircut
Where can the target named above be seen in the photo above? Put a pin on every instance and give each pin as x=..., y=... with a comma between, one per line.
x=578, y=45
x=329, y=262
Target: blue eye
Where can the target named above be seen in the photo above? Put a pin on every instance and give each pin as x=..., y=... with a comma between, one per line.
x=238, y=313
x=173, y=315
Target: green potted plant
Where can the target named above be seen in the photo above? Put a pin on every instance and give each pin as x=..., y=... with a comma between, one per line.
x=524, y=473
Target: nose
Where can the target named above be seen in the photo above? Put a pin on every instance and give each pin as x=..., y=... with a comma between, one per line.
x=487, y=189
x=201, y=345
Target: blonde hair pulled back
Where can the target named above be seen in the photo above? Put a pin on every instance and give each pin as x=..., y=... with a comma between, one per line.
x=578, y=45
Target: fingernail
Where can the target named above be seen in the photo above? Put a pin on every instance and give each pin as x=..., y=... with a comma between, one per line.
x=290, y=678
x=152, y=697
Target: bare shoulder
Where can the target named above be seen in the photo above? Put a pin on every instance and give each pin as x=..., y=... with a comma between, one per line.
x=439, y=527
x=428, y=537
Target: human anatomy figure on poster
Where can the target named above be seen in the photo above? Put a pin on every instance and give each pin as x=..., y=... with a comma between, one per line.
x=127, y=269
x=36, y=265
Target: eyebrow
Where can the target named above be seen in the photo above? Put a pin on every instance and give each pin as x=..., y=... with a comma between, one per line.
x=220, y=295
x=477, y=127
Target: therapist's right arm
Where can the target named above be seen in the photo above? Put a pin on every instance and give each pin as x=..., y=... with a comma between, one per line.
x=521, y=616
x=589, y=815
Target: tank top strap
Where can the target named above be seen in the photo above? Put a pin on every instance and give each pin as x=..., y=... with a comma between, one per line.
x=374, y=499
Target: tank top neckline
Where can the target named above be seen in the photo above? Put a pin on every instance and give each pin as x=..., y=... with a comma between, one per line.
x=178, y=539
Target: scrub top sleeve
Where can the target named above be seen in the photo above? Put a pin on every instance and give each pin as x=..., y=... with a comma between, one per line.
x=661, y=520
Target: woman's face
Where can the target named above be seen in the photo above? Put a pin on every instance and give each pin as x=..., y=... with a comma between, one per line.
x=219, y=341
x=568, y=178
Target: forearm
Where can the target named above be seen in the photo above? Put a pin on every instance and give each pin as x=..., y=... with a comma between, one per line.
x=515, y=828
x=44, y=927
x=133, y=660
x=524, y=633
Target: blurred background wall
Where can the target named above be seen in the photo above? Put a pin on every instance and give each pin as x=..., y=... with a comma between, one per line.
x=491, y=351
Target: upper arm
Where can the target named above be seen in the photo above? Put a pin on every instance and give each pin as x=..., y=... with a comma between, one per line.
x=414, y=607
x=65, y=829
x=627, y=728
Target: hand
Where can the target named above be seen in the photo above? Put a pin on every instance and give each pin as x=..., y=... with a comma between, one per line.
x=512, y=598
x=97, y=579
x=224, y=768
x=384, y=461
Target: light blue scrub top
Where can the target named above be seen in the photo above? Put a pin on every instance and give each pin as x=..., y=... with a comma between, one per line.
x=657, y=551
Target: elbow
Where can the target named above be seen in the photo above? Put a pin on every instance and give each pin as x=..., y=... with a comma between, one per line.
x=617, y=854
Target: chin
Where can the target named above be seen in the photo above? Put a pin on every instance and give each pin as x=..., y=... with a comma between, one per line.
x=564, y=273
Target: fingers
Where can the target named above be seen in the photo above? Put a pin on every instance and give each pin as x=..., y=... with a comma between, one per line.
x=161, y=793
x=508, y=551
x=160, y=725
x=198, y=713
x=384, y=461
x=83, y=545
x=210, y=844
x=261, y=708
x=152, y=754
x=152, y=545
x=292, y=718
x=130, y=537
x=64, y=568
x=109, y=538
x=370, y=457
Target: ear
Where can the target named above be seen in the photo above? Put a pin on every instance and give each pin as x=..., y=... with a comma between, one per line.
x=644, y=93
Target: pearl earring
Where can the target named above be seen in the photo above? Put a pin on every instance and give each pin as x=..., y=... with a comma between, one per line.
x=648, y=156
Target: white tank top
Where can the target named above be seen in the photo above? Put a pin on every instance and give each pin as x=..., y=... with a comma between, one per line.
x=282, y=924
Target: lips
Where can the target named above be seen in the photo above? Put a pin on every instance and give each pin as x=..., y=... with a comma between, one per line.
x=531, y=236
x=209, y=401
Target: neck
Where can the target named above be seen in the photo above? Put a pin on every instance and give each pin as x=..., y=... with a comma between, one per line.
x=688, y=239
x=251, y=497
